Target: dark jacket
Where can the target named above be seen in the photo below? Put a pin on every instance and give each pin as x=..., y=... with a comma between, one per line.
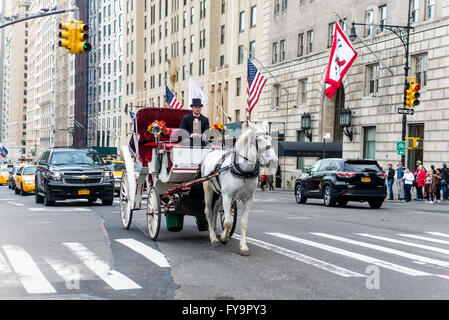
x=187, y=123
x=391, y=174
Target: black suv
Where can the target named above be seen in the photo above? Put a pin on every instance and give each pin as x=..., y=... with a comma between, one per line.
x=73, y=174
x=338, y=181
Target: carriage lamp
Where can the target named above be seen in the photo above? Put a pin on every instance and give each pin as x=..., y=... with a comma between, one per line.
x=306, y=125
x=345, y=122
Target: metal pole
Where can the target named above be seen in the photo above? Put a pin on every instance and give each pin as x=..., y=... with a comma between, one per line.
x=37, y=16
x=406, y=69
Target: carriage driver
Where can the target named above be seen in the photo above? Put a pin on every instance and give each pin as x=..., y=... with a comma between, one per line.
x=195, y=123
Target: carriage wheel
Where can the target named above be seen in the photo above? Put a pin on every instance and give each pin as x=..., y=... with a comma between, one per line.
x=153, y=213
x=126, y=213
x=218, y=208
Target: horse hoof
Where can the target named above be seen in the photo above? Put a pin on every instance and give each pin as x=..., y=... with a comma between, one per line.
x=215, y=243
x=224, y=241
x=244, y=252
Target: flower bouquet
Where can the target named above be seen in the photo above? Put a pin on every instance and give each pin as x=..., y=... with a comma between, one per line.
x=162, y=125
x=218, y=126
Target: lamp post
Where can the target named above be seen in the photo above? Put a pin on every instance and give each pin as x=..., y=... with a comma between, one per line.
x=345, y=122
x=403, y=33
x=306, y=125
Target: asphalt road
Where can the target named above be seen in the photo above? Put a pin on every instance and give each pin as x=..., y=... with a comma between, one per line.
x=304, y=252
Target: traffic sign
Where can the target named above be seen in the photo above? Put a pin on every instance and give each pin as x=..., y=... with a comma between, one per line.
x=406, y=111
x=400, y=147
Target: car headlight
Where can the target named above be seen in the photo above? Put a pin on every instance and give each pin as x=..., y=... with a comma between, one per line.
x=55, y=175
x=108, y=176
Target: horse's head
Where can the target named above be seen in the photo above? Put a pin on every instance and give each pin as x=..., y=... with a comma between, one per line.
x=261, y=138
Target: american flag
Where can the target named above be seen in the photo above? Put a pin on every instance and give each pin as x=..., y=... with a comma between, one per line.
x=170, y=100
x=256, y=82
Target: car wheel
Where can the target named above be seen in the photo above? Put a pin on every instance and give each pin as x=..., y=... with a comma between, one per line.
x=328, y=197
x=48, y=202
x=342, y=203
x=375, y=204
x=107, y=202
x=22, y=193
x=16, y=191
x=299, y=194
x=38, y=198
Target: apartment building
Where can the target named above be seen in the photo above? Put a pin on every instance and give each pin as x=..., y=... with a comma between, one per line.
x=296, y=47
x=105, y=90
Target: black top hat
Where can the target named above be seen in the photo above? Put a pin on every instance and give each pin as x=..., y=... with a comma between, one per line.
x=196, y=102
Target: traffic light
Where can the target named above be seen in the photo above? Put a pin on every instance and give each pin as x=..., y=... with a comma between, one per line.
x=413, y=95
x=414, y=143
x=66, y=33
x=81, y=45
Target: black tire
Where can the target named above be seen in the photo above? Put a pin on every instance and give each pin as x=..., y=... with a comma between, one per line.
x=342, y=203
x=48, y=202
x=299, y=195
x=38, y=198
x=375, y=204
x=16, y=191
x=22, y=193
x=107, y=202
x=328, y=197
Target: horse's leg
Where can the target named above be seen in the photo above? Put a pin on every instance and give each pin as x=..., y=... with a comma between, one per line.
x=227, y=225
x=244, y=250
x=209, y=212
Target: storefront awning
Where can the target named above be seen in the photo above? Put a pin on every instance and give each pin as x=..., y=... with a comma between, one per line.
x=234, y=129
x=310, y=149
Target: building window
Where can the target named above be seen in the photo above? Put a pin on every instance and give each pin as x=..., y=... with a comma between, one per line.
x=222, y=61
x=237, y=115
x=222, y=34
x=330, y=39
x=253, y=16
x=309, y=41
x=415, y=10
x=202, y=67
x=192, y=15
x=240, y=55
x=223, y=6
x=430, y=9
x=300, y=137
x=383, y=17
x=242, y=21
x=369, y=20
x=277, y=6
x=238, y=85
x=276, y=95
x=275, y=53
x=302, y=92
x=300, y=44
x=420, y=63
x=373, y=79
x=252, y=50
x=369, y=143
x=282, y=53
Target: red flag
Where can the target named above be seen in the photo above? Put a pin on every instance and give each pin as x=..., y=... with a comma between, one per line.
x=341, y=59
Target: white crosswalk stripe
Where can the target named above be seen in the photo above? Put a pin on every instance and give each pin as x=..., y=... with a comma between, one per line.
x=146, y=251
x=439, y=234
x=424, y=238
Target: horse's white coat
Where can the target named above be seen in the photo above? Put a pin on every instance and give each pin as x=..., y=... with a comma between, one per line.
x=235, y=188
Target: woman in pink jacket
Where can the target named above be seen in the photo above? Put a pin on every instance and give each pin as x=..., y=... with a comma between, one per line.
x=420, y=177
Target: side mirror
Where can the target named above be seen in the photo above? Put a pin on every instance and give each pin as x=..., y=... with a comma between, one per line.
x=42, y=163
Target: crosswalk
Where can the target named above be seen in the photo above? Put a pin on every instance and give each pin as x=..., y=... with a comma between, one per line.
x=20, y=268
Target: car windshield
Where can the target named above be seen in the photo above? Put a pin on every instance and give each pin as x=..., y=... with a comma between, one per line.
x=29, y=171
x=6, y=169
x=75, y=157
x=117, y=166
x=362, y=166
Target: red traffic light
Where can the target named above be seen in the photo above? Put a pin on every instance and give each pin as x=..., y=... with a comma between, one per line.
x=416, y=87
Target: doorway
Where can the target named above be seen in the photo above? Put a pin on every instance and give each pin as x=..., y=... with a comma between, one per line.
x=415, y=130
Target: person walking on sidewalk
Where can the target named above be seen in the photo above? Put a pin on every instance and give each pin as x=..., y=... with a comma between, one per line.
x=400, y=181
x=408, y=184
x=444, y=181
x=430, y=186
x=420, y=178
x=391, y=173
x=264, y=182
x=438, y=186
x=270, y=182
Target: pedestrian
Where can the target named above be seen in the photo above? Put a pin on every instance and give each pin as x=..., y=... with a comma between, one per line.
x=400, y=181
x=420, y=177
x=390, y=178
x=264, y=182
x=408, y=184
x=270, y=182
x=438, y=185
x=430, y=187
x=444, y=181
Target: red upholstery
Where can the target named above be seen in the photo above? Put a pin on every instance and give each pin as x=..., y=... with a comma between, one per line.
x=145, y=117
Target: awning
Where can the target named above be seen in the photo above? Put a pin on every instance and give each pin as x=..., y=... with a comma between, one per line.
x=234, y=129
x=310, y=149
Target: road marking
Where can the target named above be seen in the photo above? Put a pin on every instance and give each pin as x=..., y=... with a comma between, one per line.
x=7, y=277
x=297, y=217
x=424, y=238
x=387, y=250
x=68, y=272
x=59, y=209
x=440, y=234
x=303, y=258
x=411, y=244
x=148, y=252
x=16, y=203
x=27, y=271
x=357, y=256
x=113, y=278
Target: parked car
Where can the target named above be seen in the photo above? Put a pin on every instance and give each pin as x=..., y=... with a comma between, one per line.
x=24, y=180
x=12, y=176
x=5, y=170
x=73, y=174
x=338, y=181
x=117, y=168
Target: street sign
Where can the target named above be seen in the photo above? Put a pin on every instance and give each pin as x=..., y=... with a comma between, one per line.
x=327, y=135
x=406, y=111
x=400, y=147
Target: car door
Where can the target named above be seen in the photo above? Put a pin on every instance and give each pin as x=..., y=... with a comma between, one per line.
x=41, y=171
x=309, y=181
x=317, y=180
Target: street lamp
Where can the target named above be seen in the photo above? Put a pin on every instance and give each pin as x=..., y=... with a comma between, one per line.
x=345, y=122
x=306, y=125
x=403, y=33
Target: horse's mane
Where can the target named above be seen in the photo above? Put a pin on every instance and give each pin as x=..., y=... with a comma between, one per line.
x=243, y=139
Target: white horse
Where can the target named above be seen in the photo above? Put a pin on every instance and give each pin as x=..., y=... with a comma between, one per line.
x=239, y=182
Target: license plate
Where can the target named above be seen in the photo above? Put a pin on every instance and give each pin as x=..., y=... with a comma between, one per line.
x=83, y=192
x=366, y=179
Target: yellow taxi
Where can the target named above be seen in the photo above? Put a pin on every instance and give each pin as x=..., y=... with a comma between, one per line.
x=117, y=168
x=25, y=180
x=5, y=170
